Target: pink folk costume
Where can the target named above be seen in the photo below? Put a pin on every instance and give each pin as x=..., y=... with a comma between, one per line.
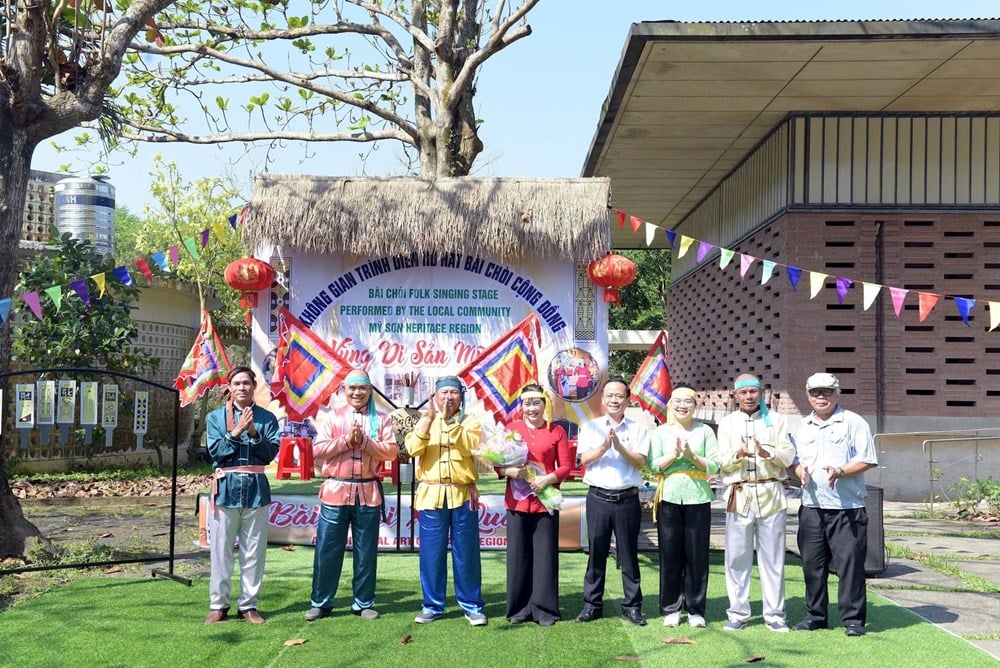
x=351, y=498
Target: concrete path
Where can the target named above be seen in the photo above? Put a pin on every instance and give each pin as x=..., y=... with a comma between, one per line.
x=941, y=599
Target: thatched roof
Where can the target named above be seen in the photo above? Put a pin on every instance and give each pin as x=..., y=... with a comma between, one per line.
x=501, y=218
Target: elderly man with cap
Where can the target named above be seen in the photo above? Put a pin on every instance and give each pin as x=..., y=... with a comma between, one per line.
x=448, y=502
x=351, y=443
x=754, y=454
x=833, y=449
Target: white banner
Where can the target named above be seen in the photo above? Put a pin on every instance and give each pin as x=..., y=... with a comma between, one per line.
x=411, y=319
x=292, y=520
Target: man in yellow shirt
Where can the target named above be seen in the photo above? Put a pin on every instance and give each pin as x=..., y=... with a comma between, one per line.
x=448, y=503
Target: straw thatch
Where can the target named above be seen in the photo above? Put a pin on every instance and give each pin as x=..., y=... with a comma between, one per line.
x=500, y=218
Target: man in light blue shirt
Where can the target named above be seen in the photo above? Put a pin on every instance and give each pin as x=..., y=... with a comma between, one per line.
x=833, y=449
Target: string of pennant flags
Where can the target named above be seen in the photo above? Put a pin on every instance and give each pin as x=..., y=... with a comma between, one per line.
x=165, y=260
x=817, y=280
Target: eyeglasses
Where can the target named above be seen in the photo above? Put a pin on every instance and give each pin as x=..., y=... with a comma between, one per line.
x=532, y=402
x=821, y=392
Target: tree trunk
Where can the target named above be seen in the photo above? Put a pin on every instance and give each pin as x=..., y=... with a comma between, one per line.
x=15, y=165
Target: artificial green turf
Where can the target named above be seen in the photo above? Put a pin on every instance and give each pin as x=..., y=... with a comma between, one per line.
x=114, y=621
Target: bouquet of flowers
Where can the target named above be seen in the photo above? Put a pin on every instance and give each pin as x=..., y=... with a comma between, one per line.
x=550, y=496
x=501, y=447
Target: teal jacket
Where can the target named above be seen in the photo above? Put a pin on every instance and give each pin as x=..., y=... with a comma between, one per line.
x=238, y=490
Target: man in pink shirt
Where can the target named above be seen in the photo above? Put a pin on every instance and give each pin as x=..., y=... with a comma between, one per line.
x=351, y=444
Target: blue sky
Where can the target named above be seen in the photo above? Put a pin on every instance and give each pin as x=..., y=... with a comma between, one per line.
x=540, y=98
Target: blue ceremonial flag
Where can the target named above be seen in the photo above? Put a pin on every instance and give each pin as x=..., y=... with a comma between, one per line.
x=651, y=385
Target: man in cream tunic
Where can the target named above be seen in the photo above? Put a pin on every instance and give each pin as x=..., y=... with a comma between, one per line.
x=754, y=453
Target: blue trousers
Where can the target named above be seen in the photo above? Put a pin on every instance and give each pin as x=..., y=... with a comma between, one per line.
x=462, y=524
x=328, y=559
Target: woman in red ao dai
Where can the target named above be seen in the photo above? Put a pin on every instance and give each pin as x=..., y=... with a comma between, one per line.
x=532, y=532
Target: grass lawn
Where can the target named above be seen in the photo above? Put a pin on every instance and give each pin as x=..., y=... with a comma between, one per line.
x=115, y=621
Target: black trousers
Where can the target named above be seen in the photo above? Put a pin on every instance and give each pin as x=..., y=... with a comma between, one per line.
x=605, y=518
x=533, y=565
x=834, y=540
x=683, y=532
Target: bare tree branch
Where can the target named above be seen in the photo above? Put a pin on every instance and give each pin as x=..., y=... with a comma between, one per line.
x=161, y=136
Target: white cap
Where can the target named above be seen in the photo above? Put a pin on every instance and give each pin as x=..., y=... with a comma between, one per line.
x=818, y=380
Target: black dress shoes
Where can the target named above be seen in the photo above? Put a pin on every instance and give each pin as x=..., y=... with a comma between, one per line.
x=589, y=614
x=634, y=616
x=809, y=625
x=854, y=630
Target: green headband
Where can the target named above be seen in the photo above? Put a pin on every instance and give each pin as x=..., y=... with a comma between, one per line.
x=753, y=382
x=449, y=381
x=746, y=382
x=357, y=378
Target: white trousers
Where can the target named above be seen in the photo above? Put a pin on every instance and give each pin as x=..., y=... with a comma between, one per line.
x=224, y=526
x=769, y=534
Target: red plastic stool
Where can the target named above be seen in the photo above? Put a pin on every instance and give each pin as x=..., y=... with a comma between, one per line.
x=389, y=470
x=286, y=458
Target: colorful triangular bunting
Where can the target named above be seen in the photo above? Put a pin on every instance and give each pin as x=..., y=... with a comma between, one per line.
x=80, y=288
x=927, y=302
x=31, y=299
x=55, y=294
x=965, y=305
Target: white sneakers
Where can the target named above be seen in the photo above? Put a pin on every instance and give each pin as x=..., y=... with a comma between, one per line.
x=674, y=619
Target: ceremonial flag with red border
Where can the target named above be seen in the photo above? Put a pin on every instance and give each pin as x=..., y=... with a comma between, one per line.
x=500, y=372
x=651, y=385
x=306, y=370
x=205, y=367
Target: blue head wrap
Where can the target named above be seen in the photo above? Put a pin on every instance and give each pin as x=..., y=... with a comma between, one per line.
x=453, y=381
x=753, y=382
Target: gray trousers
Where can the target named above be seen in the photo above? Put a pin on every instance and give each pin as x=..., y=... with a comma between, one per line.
x=225, y=525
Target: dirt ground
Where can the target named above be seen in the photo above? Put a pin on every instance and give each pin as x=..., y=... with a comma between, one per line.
x=87, y=522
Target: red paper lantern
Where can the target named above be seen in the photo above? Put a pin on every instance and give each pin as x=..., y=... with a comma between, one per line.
x=611, y=272
x=249, y=275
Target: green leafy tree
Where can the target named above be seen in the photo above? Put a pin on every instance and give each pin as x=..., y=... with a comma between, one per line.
x=643, y=305
x=361, y=71
x=181, y=211
x=57, y=62
x=74, y=334
x=351, y=70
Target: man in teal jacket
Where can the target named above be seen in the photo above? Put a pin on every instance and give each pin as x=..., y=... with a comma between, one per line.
x=242, y=439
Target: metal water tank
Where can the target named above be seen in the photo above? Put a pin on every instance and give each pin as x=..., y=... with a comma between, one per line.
x=85, y=207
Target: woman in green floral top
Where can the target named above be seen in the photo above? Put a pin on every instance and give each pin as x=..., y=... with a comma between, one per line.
x=684, y=452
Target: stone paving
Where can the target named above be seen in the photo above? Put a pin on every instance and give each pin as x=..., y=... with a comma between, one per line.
x=934, y=596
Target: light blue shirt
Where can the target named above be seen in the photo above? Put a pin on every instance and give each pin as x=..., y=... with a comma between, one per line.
x=844, y=438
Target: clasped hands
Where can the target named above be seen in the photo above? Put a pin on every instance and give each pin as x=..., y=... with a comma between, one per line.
x=681, y=449
x=245, y=424
x=834, y=473
x=758, y=450
x=357, y=437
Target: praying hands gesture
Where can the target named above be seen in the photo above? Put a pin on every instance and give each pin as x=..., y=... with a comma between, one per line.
x=245, y=424
x=357, y=437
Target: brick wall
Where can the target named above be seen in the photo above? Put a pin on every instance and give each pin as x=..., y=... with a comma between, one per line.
x=721, y=326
